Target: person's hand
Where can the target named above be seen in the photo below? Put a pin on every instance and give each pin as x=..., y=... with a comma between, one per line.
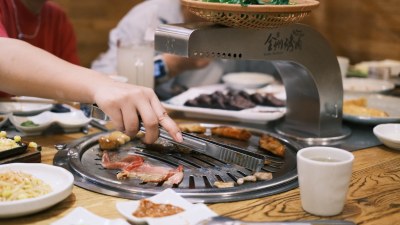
x=124, y=103
x=178, y=64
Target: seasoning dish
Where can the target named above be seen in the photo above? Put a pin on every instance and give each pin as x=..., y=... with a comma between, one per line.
x=35, y=125
x=247, y=80
x=192, y=214
x=82, y=216
x=60, y=180
x=6, y=151
x=388, y=134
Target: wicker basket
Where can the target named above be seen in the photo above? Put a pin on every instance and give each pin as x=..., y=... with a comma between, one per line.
x=251, y=16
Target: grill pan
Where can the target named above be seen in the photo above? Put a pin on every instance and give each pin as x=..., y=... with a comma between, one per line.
x=83, y=159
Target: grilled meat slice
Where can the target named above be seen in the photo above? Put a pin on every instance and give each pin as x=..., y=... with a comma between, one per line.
x=192, y=128
x=231, y=132
x=272, y=145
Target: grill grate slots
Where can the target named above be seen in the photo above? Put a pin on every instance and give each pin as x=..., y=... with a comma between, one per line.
x=207, y=182
x=191, y=182
x=187, y=161
x=204, y=161
x=232, y=177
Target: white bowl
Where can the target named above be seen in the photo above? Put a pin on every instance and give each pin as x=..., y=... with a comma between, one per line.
x=60, y=180
x=69, y=121
x=247, y=80
x=388, y=134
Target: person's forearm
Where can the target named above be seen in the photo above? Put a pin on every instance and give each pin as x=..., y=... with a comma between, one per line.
x=25, y=70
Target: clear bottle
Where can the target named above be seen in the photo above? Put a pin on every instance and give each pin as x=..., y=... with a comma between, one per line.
x=135, y=59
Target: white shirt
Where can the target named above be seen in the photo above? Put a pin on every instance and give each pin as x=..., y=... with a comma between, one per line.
x=134, y=27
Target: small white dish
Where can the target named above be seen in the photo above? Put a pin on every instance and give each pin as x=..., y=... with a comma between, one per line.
x=247, y=80
x=388, y=134
x=82, y=216
x=60, y=180
x=366, y=85
x=69, y=121
x=193, y=213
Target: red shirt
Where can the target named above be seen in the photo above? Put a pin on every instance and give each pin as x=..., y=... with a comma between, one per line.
x=55, y=33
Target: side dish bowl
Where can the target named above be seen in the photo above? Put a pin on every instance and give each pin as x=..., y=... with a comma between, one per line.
x=69, y=121
x=60, y=180
x=247, y=80
x=388, y=134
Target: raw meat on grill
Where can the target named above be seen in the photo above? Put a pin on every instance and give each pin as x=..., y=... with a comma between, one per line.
x=154, y=174
x=133, y=166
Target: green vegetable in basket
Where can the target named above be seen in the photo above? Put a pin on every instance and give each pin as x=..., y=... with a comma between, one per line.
x=29, y=123
x=251, y=2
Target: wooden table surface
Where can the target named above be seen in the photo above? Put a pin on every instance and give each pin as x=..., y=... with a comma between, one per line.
x=373, y=197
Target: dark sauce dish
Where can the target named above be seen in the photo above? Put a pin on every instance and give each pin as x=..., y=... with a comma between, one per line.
x=13, y=151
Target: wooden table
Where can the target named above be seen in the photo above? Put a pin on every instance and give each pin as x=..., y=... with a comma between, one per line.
x=373, y=198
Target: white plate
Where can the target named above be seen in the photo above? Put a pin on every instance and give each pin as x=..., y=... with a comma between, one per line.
x=69, y=121
x=60, y=180
x=193, y=213
x=247, y=80
x=23, y=109
x=259, y=114
x=388, y=104
x=366, y=85
x=81, y=216
x=389, y=134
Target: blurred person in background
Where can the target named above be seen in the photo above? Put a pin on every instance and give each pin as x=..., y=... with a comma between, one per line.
x=31, y=71
x=173, y=74
x=41, y=23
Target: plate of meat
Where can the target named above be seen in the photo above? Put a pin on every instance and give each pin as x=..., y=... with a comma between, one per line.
x=217, y=102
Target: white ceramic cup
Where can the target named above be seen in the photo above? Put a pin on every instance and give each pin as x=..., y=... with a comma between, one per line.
x=324, y=177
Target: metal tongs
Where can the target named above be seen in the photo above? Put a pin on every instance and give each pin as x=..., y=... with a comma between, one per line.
x=223, y=152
